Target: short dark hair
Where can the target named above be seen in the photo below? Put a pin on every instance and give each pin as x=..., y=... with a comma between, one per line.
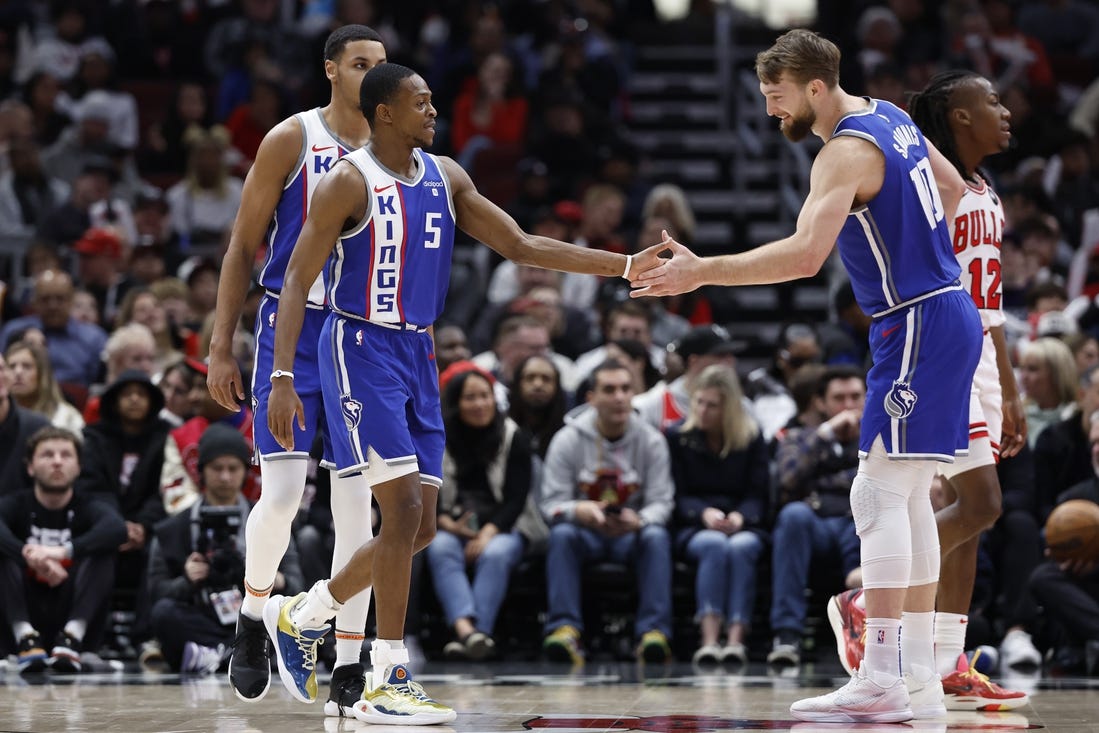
x=608, y=365
x=836, y=372
x=50, y=432
x=379, y=86
x=801, y=56
x=338, y=39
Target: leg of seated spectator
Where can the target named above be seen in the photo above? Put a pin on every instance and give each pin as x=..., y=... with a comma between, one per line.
x=707, y=549
x=446, y=557
x=799, y=534
x=1021, y=553
x=1071, y=600
x=653, y=558
x=744, y=550
x=177, y=622
x=13, y=577
x=570, y=547
x=92, y=579
x=491, y=576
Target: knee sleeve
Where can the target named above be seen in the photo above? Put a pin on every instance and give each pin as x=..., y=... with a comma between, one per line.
x=880, y=505
x=351, y=516
x=925, y=539
x=267, y=533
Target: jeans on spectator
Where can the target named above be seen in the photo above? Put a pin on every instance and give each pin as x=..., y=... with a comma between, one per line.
x=649, y=550
x=177, y=622
x=726, y=580
x=480, y=600
x=83, y=596
x=799, y=535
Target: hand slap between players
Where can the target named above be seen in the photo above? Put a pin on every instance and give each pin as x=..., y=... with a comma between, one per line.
x=654, y=274
x=283, y=405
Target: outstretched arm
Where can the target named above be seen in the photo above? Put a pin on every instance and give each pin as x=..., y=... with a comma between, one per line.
x=340, y=197
x=486, y=222
x=262, y=189
x=846, y=170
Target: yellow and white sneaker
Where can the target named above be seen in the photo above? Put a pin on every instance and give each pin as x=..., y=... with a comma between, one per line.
x=295, y=647
x=400, y=701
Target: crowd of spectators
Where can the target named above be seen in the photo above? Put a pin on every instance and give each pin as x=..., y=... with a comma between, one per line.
x=582, y=425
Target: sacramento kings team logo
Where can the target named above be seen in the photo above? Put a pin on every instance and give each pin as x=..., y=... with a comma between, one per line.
x=900, y=401
x=352, y=411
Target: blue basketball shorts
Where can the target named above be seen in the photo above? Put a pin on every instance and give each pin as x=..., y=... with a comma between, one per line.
x=381, y=399
x=918, y=391
x=307, y=383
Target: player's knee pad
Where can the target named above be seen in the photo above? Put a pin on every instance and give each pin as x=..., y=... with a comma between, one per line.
x=283, y=487
x=878, y=512
x=925, y=540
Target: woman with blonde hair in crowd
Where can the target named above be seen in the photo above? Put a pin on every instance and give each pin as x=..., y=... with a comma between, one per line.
x=1049, y=381
x=141, y=305
x=720, y=464
x=33, y=386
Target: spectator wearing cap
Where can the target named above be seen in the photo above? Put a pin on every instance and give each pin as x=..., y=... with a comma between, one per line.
x=668, y=403
x=74, y=346
x=100, y=254
x=768, y=387
x=815, y=468
x=179, y=479
x=196, y=560
x=28, y=192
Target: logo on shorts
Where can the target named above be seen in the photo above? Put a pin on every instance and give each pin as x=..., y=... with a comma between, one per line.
x=271, y=319
x=900, y=401
x=359, y=337
x=352, y=411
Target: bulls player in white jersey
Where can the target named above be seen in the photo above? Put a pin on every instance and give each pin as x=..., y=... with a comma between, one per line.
x=961, y=114
x=291, y=160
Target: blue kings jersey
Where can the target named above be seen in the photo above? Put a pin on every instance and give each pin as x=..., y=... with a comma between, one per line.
x=394, y=266
x=897, y=247
x=320, y=149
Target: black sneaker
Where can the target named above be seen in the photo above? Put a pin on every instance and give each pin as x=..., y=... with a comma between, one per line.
x=346, y=689
x=32, y=656
x=65, y=655
x=250, y=664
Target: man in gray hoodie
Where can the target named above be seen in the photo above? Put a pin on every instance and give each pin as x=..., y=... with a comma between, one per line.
x=607, y=493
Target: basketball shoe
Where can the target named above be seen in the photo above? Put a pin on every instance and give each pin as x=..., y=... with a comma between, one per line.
x=250, y=664
x=32, y=655
x=563, y=645
x=968, y=689
x=348, y=683
x=848, y=621
x=295, y=647
x=65, y=655
x=400, y=701
x=925, y=693
x=866, y=698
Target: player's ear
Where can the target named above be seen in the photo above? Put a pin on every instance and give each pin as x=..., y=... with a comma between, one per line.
x=330, y=69
x=961, y=116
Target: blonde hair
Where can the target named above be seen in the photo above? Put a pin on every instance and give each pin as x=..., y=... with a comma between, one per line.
x=801, y=56
x=679, y=212
x=738, y=428
x=1061, y=364
x=48, y=395
x=196, y=138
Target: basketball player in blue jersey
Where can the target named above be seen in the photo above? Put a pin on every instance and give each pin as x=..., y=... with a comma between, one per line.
x=291, y=160
x=387, y=215
x=886, y=195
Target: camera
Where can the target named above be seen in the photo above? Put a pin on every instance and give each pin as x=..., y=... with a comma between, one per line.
x=217, y=529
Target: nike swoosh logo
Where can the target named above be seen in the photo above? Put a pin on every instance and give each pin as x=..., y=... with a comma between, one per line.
x=885, y=333
x=383, y=188
x=326, y=147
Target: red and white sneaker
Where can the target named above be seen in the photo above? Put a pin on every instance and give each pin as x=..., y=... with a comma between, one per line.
x=848, y=622
x=967, y=689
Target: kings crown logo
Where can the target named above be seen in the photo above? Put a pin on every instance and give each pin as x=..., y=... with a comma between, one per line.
x=900, y=401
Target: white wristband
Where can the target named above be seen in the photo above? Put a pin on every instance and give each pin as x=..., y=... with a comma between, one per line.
x=281, y=373
x=629, y=262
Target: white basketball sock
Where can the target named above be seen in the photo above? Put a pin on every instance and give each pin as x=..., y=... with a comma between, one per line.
x=917, y=640
x=950, y=631
x=883, y=646
x=351, y=517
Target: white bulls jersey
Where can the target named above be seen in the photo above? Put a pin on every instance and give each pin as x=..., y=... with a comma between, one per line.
x=978, y=232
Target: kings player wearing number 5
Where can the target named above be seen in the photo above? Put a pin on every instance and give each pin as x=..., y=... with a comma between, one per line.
x=961, y=114
x=885, y=194
x=386, y=214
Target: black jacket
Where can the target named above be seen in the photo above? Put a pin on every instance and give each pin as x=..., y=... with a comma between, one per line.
x=108, y=451
x=15, y=429
x=93, y=527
